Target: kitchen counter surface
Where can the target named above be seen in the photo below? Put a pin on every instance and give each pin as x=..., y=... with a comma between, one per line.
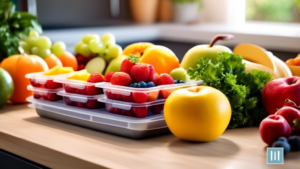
x=59, y=145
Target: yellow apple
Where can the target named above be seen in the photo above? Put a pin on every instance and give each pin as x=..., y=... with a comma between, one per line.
x=198, y=113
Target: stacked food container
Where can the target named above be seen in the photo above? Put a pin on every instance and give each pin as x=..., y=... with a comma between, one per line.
x=125, y=111
x=44, y=87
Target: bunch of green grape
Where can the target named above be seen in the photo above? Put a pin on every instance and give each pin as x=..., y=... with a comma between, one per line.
x=105, y=46
x=41, y=45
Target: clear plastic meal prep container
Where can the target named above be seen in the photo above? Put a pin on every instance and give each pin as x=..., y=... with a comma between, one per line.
x=42, y=81
x=84, y=101
x=142, y=95
x=45, y=94
x=100, y=119
x=78, y=87
x=138, y=110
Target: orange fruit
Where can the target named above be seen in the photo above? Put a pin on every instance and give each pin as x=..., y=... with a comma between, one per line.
x=136, y=48
x=52, y=61
x=297, y=61
x=68, y=60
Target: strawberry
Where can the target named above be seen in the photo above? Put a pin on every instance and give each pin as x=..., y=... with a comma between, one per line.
x=112, y=96
x=80, y=104
x=52, y=85
x=140, y=72
x=108, y=76
x=152, y=75
x=69, y=89
x=95, y=77
x=140, y=111
x=121, y=78
x=52, y=97
x=140, y=97
x=128, y=63
x=93, y=104
x=165, y=79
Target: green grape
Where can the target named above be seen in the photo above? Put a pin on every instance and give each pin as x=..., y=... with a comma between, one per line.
x=43, y=42
x=40, y=52
x=31, y=41
x=114, y=51
x=58, y=48
x=34, y=51
x=84, y=50
x=44, y=52
x=77, y=47
x=95, y=46
x=87, y=38
x=24, y=46
x=34, y=34
x=108, y=39
x=105, y=54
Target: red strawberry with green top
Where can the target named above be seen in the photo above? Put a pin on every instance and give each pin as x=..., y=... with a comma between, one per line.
x=121, y=78
x=108, y=76
x=95, y=77
x=165, y=79
x=140, y=72
x=128, y=63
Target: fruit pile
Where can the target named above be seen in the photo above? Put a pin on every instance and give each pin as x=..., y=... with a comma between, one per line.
x=92, y=46
x=53, y=55
x=280, y=129
x=134, y=74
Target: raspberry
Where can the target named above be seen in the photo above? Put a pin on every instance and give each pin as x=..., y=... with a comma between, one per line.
x=80, y=59
x=121, y=78
x=93, y=104
x=52, y=97
x=140, y=72
x=52, y=85
x=157, y=109
x=69, y=89
x=95, y=77
x=92, y=90
x=112, y=96
x=140, y=97
x=165, y=79
x=140, y=111
x=108, y=76
x=80, y=104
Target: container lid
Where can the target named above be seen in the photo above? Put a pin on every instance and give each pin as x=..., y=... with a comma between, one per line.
x=79, y=97
x=156, y=88
x=100, y=116
x=75, y=83
x=127, y=105
x=37, y=89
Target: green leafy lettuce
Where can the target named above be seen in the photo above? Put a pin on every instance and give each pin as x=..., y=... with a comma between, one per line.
x=14, y=25
x=242, y=89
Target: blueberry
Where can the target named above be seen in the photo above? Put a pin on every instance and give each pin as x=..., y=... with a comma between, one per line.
x=181, y=81
x=142, y=84
x=150, y=84
x=138, y=85
x=135, y=85
x=286, y=146
x=295, y=143
x=282, y=139
x=176, y=81
x=131, y=85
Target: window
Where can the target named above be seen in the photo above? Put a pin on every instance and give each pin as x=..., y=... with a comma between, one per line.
x=273, y=10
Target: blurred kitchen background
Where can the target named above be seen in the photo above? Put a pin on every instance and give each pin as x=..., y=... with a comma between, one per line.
x=177, y=24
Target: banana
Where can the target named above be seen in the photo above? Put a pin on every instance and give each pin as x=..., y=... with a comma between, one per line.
x=250, y=66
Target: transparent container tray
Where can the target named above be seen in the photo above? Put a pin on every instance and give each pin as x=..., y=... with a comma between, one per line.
x=84, y=101
x=101, y=120
x=42, y=81
x=45, y=94
x=142, y=95
x=138, y=110
x=78, y=87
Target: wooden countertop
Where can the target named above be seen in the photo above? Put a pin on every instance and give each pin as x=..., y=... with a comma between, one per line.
x=59, y=145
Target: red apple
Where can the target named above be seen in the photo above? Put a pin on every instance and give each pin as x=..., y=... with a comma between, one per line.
x=273, y=127
x=289, y=114
x=277, y=91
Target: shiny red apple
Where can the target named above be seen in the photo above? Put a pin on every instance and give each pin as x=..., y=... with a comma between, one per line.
x=277, y=91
